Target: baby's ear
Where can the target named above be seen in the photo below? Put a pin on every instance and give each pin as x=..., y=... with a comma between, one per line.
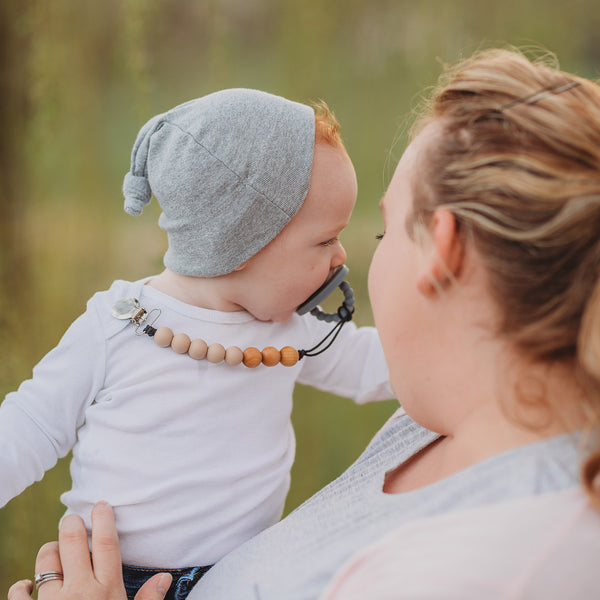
x=444, y=262
x=241, y=267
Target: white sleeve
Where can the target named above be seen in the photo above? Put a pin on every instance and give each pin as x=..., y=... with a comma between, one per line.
x=353, y=366
x=39, y=422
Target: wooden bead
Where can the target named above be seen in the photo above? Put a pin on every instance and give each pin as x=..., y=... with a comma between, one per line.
x=252, y=357
x=289, y=356
x=198, y=349
x=180, y=343
x=270, y=356
x=215, y=353
x=233, y=356
x=163, y=337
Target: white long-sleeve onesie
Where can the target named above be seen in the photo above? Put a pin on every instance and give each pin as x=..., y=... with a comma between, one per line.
x=194, y=456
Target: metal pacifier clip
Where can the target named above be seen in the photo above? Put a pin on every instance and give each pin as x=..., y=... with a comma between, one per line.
x=130, y=309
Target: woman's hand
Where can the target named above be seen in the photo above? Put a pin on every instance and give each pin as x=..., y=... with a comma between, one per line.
x=71, y=556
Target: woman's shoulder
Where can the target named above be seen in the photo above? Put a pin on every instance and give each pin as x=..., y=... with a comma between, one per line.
x=542, y=546
x=567, y=565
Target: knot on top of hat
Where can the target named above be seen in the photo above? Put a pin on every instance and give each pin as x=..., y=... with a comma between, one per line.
x=137, y=192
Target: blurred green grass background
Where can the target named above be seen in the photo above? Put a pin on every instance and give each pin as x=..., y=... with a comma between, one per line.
x=78, y=79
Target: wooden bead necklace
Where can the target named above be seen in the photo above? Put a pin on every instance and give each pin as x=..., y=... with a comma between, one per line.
x=130, y=309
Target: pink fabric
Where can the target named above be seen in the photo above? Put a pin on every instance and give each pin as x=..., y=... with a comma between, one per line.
x=544, y=547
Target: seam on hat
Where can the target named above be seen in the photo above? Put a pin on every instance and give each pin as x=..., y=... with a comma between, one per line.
x=271, y=202
x=157, y=128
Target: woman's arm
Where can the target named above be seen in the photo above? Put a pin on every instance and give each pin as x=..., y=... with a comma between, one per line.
x=96, y=578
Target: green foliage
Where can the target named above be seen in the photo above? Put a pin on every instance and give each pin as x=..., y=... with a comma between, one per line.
x=78, y=80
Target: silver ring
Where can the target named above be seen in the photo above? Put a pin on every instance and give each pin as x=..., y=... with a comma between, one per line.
x=45, y=577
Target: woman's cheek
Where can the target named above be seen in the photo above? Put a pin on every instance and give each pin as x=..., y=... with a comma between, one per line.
x=373, y=281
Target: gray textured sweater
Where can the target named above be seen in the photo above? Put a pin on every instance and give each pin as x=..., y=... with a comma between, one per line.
x=295, y=559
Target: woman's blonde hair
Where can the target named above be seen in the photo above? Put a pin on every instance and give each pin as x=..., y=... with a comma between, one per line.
x=518, y=163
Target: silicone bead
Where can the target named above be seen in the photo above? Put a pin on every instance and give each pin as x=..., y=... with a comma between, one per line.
x=198, y=349
x=289, y=356
x=215, y=353
x=180, y=343
x=163, y=337
x=233, y=356
x=270, y=356
x=252, y=357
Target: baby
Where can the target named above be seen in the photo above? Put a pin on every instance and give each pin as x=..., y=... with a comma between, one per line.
x=189, y=438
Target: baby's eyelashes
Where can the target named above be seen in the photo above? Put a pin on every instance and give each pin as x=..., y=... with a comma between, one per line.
x=331, y=241
x=379, y=236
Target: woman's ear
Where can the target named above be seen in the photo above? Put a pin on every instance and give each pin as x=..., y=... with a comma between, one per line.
x=443, y=264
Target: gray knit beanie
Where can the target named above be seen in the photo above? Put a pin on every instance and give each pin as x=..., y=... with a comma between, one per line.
x=229, y=171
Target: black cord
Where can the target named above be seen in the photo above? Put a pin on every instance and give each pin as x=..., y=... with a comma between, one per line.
x=345, y=313
x=311, y=351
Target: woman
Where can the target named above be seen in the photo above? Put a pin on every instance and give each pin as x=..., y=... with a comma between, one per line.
x=486, y=293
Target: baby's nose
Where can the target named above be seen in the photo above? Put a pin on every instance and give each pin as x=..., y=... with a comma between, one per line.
x=339, y=257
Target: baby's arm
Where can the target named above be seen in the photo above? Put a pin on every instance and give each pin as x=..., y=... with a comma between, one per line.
x=354, y=366
x=39, y=422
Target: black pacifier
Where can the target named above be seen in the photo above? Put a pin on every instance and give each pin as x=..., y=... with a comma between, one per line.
x=343, y=315
x=344, y=312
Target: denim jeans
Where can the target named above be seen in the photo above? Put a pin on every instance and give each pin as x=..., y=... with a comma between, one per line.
x=183, y=580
